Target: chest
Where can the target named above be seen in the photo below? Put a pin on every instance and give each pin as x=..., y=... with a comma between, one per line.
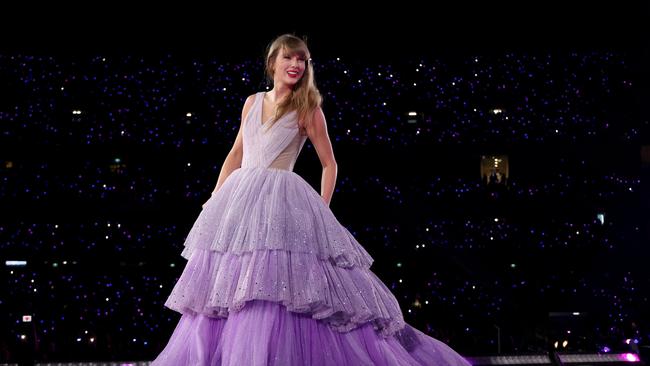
x=268, y=111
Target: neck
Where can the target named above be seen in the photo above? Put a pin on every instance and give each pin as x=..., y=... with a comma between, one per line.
x=278, y=93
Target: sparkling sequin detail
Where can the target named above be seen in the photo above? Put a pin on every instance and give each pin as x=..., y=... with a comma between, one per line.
x=268, y=235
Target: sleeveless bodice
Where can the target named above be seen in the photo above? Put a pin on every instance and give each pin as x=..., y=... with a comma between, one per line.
x=269, y=145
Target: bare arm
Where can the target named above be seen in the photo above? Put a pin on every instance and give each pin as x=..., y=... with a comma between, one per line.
x=234, y=158
x=318, y=136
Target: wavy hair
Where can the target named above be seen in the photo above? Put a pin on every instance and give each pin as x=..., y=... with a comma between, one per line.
x=305, y=96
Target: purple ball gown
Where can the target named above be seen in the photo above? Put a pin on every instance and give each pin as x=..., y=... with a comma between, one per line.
x=273, y=278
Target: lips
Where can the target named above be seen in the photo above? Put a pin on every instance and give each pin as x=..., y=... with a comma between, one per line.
x=292, y=74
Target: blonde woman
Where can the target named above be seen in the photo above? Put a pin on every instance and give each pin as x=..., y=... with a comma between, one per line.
x=272, y=277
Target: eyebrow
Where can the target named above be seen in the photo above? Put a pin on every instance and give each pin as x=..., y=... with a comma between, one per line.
x=298, y=53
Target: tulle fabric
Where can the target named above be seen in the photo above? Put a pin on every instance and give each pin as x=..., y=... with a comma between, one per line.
x=263, y=208
x=245, y=300
x=266, y=333
x=217, y=284
x=273, y=278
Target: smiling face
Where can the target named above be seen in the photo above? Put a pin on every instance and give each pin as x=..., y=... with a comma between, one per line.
x=289, y=66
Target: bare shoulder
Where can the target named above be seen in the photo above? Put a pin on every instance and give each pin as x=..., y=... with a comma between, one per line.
x=249, y=100
x=318, y=123
x=247, y=105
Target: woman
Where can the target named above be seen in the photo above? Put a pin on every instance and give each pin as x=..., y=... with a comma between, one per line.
x=272, y=277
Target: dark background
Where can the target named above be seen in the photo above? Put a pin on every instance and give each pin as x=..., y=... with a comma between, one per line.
x=389, y=30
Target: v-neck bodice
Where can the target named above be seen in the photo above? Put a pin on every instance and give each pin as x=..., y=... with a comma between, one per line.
x=271, y=145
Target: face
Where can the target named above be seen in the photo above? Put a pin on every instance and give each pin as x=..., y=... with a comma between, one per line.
x=289, y=68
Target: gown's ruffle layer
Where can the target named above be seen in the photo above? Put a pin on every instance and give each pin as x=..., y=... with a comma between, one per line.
x=266, y=333
x=262, y=209
x=216, y=284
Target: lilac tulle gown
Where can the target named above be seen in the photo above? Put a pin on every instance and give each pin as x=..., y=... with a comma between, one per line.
x=273, y=278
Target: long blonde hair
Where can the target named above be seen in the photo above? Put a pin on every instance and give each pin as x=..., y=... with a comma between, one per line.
x=305, y=97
